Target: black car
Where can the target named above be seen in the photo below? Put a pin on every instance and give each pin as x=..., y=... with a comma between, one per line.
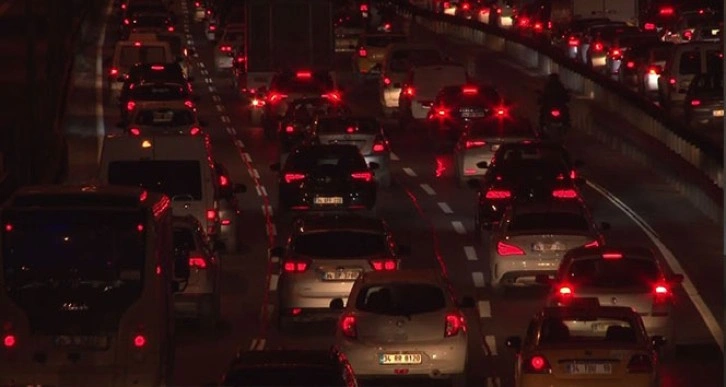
x=295, y=126
x=153, y=73
x=456, y=106
x=326, y=177
x=155, y=92
x=290, y=368
x=528, y=170
x=704, y=101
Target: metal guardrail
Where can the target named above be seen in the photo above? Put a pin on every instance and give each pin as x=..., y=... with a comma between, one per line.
x=693, y=164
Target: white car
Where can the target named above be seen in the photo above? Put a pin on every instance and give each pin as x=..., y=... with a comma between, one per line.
x=404, y=322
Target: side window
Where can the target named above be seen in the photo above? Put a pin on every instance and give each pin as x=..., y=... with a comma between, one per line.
x=690, y=63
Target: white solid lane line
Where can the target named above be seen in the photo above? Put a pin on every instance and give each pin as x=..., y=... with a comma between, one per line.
x=427, y=188
x=485, y=309
x=470, y=253
x=713, y=325
x=409, y=172
x=445, y=207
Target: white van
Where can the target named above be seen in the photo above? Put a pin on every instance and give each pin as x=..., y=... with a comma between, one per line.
x=687, y=61
x=422, y=85
x=179, y=166
x=127, y=53
x=397, y=62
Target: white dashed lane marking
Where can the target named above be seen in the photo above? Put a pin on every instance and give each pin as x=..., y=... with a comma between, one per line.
x=491, y=344
x=216, y=98
x=208, y=80
x=246, y=157
x=274, y=278
x=271, y=230
x=478, y=278
x=445, y=207
x=253, y=172
x=219, y=107
x=267, y=210
x=470, y=252
x=225, y=119
x=212, y=89
x=261, y=191
x=485, y=309
x=458, y=227
x=394, y=157
x=409, y=172
x=232, y=131
x=427, y=188
x=201, y=65
x=239, y=143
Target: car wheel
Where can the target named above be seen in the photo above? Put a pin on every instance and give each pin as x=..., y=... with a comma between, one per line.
x=209, y=312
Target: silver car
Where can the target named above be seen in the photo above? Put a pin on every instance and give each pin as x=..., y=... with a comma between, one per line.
x=174, y=117
x=480, y=139
x=533, y=237
x=232, y=39
x=324, y=256
x=404, y=322
x=201, y=296
x=619, y=276
x=364, y=132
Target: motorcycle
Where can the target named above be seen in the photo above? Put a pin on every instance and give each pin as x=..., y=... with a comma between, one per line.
x=554, y=119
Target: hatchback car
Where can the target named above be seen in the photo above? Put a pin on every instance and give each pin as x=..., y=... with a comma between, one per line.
x=174, y=118
x=322, y=258
x=366, y=133
x=202, y=294
x=156, y=95
x=232, y=38
x=704, y=100
x=586, y=346
x=404, y=322
x=296, y=125
x=533, y=236
x=326, y=177
x=372, y=50
x=619, y=276
x=480, y=140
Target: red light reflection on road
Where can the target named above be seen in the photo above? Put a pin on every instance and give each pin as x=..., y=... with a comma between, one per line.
x=440, y=166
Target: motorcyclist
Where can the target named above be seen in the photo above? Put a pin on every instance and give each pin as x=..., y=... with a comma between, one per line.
x=554, y=95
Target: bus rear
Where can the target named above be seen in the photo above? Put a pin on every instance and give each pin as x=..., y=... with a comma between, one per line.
x=88, y=278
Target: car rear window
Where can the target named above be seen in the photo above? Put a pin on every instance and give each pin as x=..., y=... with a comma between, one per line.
x=346, y=125
x=613, y=273
x=401, y=299
x=339, y=244
x=164, y=117
x=690, y=63
x=315, y=84
x=322, y=158
x=157, y=92
x=131, y=55
x=550, y=221
x=579, y=329
x=184, y=239
x=285, y=375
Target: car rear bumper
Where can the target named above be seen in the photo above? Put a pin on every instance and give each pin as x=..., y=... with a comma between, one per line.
x=508, y=271
x=631, y=380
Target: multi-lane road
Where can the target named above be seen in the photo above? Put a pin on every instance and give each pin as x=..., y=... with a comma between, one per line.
x=425, y=209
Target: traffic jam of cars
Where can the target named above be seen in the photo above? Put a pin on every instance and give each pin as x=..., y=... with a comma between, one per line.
x=359, y=286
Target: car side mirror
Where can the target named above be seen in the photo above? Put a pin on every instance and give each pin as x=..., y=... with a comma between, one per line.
x=543, y=279
x=482, y=164
x=190, y=78
x=239, y=188
x=374, y=165
x=676, y=278
x=474, y=184
x=605, y=226
x=337, y=304
x=276, y=252
x=275, y=167
x=467, y=302
x=658, y=341
x=403, y=250
x=514, y=342
x=203, y=123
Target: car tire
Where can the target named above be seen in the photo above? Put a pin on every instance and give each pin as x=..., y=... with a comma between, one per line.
x=209, y=311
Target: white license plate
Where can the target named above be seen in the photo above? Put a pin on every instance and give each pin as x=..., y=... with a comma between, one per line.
x=341, y=275
x=328, y=200
x=399, y=358
x=557, y=246
x=590, y=368
x=718, y=113
x=86, y=342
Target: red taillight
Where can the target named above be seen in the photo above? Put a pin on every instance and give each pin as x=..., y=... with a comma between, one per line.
x=505, y=249
x=223, y=181
x=197, y=263
x=127, y=21
x=615, y=53
x=362, y=52
x=537, y=365
x=695, y=102
x=225, y=48
x=289, y=129
x=348, y=326
x=384, y=265
x=113, y=72
x=653, y=70
x=465, y=6
x=157, y=68
x=597, y=46
x=661, y=290
x=649, y=26
x=139, y=341
x=276, y=97
x=592, y=244
x=380, y=145
x=440, y=113
x=498, y=194
x=197, y=4
x=9, y=341
x=293, y=177
x=688, y=34
x=630, y=65
x=564, y=193
x=538, y=26
x=212, y=27
x=9, y=227
x=364, y=7
x=470, y=90
x=640, y=364
x=130, y=105
x=240, y=59
x=500, y=112
x=135, y=131
x=612, y=256
x=386, y=81
x=195, y=131
x=475, y=144
x=455, y=323
x=137, y=44
x=409, y=91
x=303, y=75
x=666, y=11
x=189, y=104
x=573, y=41
x=565, y=291
x=333, y=96
x=295, y=266
x=363, y=176
x=170, y=28
x=555, y=113
x=211, y=214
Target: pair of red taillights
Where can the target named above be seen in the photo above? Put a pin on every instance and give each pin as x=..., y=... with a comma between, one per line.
x=454, y=323
x=506, y=249
x=496, y=194
x=301, y=266
x=538, y=364
x=193, y=131
x=297, y=177
x=10, y=341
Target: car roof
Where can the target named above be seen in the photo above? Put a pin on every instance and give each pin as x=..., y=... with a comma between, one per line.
x=343, y=221
x=416, y=276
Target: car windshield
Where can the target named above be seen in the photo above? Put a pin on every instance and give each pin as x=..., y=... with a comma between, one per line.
x=164, y=117
x=285, y=375
x=613, y=273
x=175, y=178
x=401, y=299
x=348, y=125
x=158, y=92
x=587, y=329
x=131, y=55
x=339, y=244
x=550, y=221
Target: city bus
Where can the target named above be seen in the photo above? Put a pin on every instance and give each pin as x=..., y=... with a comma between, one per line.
x=88, y=278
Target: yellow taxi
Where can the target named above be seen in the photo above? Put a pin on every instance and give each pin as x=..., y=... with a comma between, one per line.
x=586, y=345
x=371, y=50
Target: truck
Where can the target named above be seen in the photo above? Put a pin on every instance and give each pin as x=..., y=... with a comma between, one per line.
x=617, y=10
x=283, y=35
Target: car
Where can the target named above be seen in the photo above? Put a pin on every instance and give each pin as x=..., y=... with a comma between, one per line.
x=599, y=41
x=372, y=49
x=570, y=36
x=711, y=32
x=323, y=257
x=480, y=139
x=326, y=177
x=232, y=39
x=348, y=27
x=364, y=132
x=630, y=276
x=685, y=62
x=296, y=126
x=456, y=107
x=148, y=22
x=202, y=295
x=642, y=66
x=525, y=169
x=298, y=368
x=704, y=101
x=421, y=86
x=404, y=322
x=174, y=118
x=534, y=235
x=684, y=28
x=586, y=345
x=149, y=95
x=200, y=11
x=127, y=54
x=397, y=62
x=621, y=45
